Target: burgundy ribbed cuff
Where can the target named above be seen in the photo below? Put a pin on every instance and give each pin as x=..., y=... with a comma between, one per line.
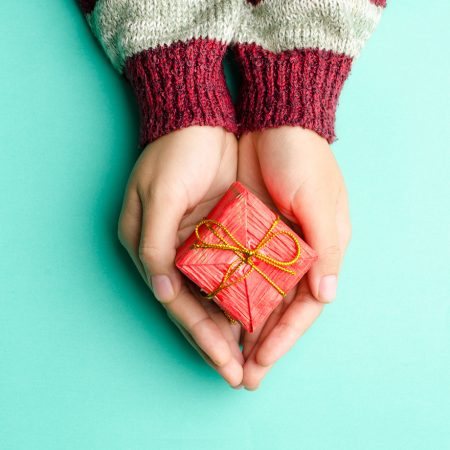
x=297, y=87
x=180, y=85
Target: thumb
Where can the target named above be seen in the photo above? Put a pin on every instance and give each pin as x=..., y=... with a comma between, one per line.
x=317, y=219
x=162, y=213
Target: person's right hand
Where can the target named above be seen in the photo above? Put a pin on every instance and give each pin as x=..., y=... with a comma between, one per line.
x=176, y=181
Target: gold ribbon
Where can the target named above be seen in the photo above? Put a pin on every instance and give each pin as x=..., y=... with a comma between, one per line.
x=245, y=254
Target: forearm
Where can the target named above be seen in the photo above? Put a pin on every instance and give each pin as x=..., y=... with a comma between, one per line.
x=171, y=52
x=295, y=57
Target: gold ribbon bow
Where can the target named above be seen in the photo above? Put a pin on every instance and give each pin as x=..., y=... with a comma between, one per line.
x=246, y=255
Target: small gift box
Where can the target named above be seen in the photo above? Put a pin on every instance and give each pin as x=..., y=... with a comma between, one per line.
x=244, y=257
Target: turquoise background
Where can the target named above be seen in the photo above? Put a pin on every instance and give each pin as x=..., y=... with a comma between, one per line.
x=88, y=359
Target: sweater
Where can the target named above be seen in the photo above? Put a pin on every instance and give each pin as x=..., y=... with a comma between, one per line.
x=294, y=56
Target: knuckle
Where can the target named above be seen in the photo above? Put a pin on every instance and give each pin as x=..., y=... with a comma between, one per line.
x=160, y=193
x=288, y=330
x=149, y=254
x=333, y=251
x=331, y=255
x=203, y=323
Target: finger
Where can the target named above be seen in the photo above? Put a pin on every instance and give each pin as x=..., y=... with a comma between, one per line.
x=253, y=371
x=343, y=222
x=185, y=308
x=188, y=337
x=236, y=329
x=194, y=318
x=157, y=251
x=295, y=321
x=298, y=317
x=129, y=234
x=316, y=214
x=229, y=330
x=129, y=228
x=231, y=372
x=163, y=210
x=251, y=340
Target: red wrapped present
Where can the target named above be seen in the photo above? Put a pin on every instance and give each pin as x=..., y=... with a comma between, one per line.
x=244, y=257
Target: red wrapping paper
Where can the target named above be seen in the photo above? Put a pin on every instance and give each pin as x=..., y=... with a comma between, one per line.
x=251, y=298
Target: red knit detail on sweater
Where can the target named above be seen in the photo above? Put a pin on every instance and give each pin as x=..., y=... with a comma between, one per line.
x=376, y=2
x=87, y=6
x=180, y=85
x=297, y=87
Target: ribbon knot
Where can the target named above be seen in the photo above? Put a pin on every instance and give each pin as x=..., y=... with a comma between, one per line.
x=246, y=255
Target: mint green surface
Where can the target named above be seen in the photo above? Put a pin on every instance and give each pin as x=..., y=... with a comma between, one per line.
x=88, y=359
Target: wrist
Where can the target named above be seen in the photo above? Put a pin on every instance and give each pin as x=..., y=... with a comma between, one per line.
x=299, y=87
x=179, y=86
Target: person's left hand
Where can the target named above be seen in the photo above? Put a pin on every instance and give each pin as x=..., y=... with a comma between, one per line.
x=294, y=171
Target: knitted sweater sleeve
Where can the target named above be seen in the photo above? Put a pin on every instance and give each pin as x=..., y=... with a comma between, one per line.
x=171, y=52
x=295, y=57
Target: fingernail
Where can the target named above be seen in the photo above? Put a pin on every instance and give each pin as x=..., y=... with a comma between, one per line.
x=328, y=287
x=239, y=386
x=251, y=389
x=162, y=287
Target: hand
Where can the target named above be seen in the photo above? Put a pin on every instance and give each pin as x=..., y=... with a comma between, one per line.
x=176, y=181
x=293, y=170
